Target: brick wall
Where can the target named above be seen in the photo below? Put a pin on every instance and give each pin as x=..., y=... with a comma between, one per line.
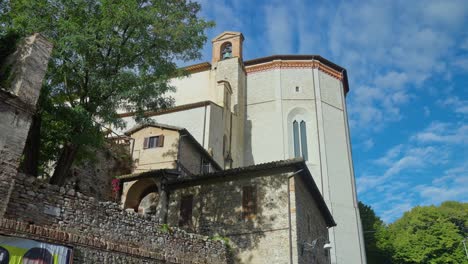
x=36, y=202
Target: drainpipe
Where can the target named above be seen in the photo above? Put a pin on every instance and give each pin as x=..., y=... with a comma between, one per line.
x=291, y=260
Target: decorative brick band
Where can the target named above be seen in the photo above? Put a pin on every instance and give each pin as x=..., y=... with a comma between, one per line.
x=283, y=64
x=15, y=228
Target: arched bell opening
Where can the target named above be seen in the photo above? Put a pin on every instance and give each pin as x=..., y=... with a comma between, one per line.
x=226, y=50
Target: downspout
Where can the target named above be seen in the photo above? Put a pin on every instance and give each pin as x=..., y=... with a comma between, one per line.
x=291, y=260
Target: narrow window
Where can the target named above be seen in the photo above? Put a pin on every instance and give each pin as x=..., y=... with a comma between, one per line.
x=297, y=89
x=249, y=202
x=186, y=205
x=304, y=140
x=297, y=150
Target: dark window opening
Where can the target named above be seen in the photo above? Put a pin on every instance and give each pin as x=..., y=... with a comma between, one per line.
x=205, y=166
x=249, y=202
x=186, y=207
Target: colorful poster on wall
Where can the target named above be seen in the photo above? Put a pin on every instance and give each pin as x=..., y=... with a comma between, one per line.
x=15, y=250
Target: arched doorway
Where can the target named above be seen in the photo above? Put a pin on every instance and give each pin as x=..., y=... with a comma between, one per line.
x=143, y=196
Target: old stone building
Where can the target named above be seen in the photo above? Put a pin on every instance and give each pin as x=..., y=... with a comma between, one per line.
x=246, y=113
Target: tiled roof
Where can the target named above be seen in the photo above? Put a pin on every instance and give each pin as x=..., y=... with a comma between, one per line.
x=158, y=125
x=148, y=174
x=172, y=109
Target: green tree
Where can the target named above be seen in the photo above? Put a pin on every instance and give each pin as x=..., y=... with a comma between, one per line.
x=108, y=55
x=430, y=234
x=375, y=234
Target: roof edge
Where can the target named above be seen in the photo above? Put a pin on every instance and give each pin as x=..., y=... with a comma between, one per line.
x=319, y=58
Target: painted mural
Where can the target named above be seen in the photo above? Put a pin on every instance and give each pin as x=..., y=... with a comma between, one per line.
x=15, y=250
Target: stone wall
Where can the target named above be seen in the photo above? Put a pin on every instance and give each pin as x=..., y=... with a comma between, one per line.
x=94, y=177
x=36, y=202
x=217, y=209
x=22, y=81
x=310, y=227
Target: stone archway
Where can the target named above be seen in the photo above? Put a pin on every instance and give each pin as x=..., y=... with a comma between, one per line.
x=143, y=196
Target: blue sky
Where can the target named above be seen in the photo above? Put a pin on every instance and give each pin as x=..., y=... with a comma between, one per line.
x=407, y=64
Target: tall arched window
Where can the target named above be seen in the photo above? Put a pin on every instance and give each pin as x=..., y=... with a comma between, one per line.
x=300, y=139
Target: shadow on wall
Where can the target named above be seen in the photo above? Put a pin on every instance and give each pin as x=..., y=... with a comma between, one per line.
x=172, y=153
x=248, y=156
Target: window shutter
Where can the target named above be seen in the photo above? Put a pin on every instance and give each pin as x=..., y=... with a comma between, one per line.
x=249, y=202
x=161, y=141
x=186, y=205
x=145, y=143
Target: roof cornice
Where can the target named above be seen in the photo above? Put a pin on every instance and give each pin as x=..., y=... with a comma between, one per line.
x=299, y=61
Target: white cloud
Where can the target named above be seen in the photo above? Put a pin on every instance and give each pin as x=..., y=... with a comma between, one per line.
x=368, y=144
x=399, y=45
x=452, y=185
x=427, y=111
x=279, y=29
x=390, y=156
x=458, y=105
x=438, y=132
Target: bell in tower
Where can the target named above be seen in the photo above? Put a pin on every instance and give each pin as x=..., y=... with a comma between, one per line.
x=227, y=45
x=226, y=51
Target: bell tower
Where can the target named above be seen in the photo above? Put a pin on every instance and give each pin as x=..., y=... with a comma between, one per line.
x=227, y=45
x=228, y=68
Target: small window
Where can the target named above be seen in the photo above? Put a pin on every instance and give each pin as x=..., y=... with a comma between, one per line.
x=186, y=206
x=249, y=202
x=205, y=166
x=297, y=89
x=153, y=142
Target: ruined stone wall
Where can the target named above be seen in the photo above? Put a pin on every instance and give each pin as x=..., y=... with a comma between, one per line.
x=94, y=177
x=22, y=75
x=36, y=202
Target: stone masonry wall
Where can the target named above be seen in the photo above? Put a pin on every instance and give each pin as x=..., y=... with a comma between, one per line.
x=93, y=177
x=36, y=202
x=217, y=210
x=27, y=68
x=310, y=227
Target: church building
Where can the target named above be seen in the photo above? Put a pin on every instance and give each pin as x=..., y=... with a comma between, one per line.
x=281, y=114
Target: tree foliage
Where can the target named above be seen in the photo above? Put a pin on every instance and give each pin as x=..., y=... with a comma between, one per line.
x=430, y=234
x=108, y=55
x=426, y=234
x=374, y=233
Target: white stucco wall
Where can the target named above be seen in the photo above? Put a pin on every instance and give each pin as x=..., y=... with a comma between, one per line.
x=193, y=88
x=272, y=104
